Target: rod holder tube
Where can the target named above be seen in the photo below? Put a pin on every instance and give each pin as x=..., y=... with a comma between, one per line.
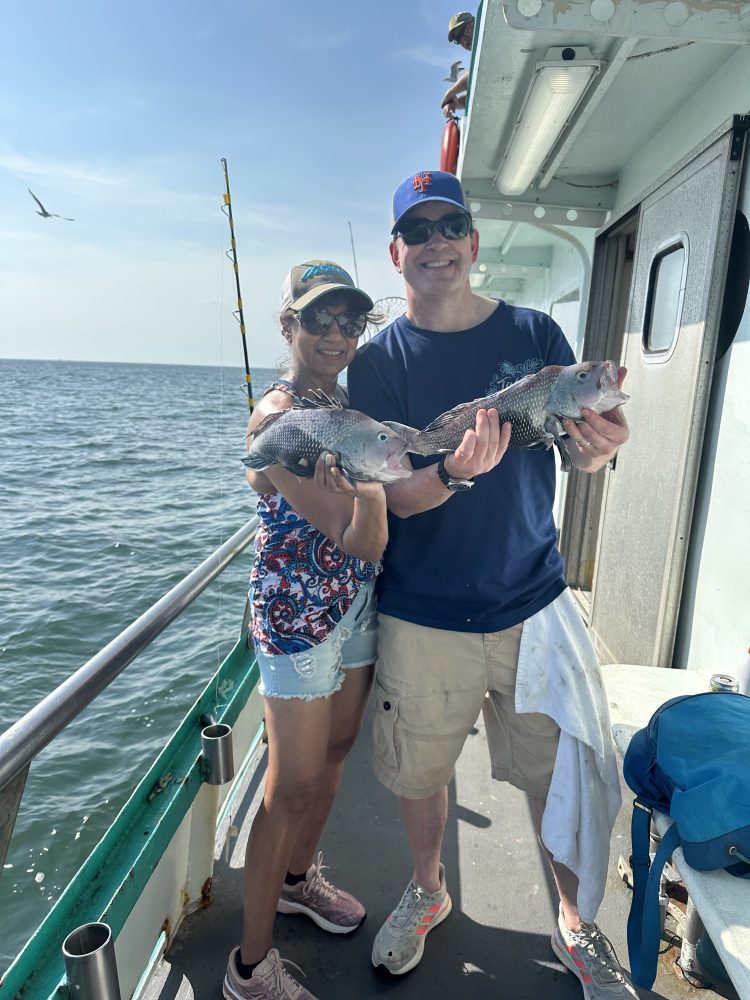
x=218, y=756
x=89, y=955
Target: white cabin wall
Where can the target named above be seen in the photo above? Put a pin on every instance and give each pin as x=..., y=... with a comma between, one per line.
x=726, y=93
x=714, y=629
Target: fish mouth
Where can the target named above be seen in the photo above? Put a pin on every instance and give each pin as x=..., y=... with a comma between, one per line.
x=394, y=463
x=608, y=377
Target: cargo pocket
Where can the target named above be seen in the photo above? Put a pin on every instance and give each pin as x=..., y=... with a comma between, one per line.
x=385, y=726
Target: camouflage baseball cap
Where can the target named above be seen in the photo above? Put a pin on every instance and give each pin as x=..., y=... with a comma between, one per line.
x=457, y=22
x=307, y=282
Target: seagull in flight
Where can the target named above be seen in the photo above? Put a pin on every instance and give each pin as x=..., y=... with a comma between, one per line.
x=456, y=68
x=44, y=213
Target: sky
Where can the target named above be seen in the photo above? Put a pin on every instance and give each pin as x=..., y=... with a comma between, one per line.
x=117, y=115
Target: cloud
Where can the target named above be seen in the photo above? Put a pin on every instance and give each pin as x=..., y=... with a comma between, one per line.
x=138, y=185
x=55, y=170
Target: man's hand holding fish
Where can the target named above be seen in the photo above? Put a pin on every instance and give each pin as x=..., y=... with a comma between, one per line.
x=598, y=436
x=481, y=449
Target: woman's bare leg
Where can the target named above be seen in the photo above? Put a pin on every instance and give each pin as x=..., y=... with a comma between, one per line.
x=307, y=743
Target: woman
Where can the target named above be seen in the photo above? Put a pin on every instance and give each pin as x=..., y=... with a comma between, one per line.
x=314, y=626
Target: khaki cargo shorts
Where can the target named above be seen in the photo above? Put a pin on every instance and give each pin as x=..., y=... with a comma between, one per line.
x=430, y=687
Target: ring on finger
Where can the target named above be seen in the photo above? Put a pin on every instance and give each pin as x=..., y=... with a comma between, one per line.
x=583, y=443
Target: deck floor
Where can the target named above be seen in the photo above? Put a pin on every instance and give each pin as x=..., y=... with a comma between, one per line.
x=494, y=945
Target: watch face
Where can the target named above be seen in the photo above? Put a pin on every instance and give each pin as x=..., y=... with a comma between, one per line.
x=459, y=485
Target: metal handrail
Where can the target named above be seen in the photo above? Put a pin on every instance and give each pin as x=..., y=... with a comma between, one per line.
x=31, y=734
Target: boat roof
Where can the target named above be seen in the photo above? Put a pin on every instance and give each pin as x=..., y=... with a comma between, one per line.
x=652, y=62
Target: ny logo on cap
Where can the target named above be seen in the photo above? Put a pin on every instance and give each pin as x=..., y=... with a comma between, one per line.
x=421, y=181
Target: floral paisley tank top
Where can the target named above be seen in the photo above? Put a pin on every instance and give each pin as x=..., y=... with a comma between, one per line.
x=302, y=583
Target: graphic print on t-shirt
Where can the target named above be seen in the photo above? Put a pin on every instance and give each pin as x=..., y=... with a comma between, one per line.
x=506, y=373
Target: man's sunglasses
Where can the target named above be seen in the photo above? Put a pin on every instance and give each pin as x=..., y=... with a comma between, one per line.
x=318, y=320
x=451, y=227
x=457, y=39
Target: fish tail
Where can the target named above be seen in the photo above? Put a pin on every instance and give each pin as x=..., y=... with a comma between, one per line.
x=416, y=441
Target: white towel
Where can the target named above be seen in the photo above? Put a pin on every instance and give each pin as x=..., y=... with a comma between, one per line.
x=559, y=675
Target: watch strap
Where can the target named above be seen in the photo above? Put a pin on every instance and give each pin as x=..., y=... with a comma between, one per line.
x=454, y=485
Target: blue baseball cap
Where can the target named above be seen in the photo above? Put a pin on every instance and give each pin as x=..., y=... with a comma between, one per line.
x=427, y=185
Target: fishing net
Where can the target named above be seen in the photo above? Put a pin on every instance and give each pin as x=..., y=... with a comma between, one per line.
x=388, y=309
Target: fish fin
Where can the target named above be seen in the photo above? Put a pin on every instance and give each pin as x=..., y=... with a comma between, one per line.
x=556, y=435
x=258, y=463
x=426, y=450
x=565, y=462
x=347, y=474
x=318, y=400
x=447, y=417
x=297, y=469
x=265, y=424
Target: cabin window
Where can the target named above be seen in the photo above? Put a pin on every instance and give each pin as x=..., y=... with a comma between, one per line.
x=666, y=291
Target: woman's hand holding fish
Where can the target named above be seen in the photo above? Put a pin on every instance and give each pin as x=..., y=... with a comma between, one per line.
x=481, y=449
x=329, y=477
x=599, y=435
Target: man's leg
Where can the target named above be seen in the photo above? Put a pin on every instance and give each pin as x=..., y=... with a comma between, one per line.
x=425, y=821
x=523, y=748
x=565, y=880
x=425, y=709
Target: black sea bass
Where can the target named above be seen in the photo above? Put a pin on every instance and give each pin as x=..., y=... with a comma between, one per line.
x=365, y=449
x=534, y=405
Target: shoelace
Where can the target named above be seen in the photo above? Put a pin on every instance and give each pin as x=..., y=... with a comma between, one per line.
x=284, y=984
x=595, y=944
x=319, y=882
x=407, y=911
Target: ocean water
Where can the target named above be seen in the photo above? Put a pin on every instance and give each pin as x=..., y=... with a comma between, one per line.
x=115, y=482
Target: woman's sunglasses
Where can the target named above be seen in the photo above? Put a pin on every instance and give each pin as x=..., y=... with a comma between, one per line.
x=317, y=320
x=452, y=227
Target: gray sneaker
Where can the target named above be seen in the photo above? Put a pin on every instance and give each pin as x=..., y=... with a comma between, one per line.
x=269, y=981
x=399, y=944
x=589, y=955
x=330, y=908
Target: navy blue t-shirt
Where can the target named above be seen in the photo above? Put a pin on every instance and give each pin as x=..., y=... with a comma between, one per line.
x=487, y=558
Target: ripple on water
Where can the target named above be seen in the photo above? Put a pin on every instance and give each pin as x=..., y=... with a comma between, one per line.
x=139, y=480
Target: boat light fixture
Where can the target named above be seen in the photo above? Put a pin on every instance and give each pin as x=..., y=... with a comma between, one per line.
x=560, y=80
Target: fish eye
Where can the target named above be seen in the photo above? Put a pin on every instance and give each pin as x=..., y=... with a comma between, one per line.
x=581, y=376
x=382, y=437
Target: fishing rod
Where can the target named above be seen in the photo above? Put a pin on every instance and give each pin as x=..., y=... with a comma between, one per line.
x=238, y=313
x=354, y=256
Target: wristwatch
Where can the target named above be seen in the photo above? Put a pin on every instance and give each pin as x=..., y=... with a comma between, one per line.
x=454, y=485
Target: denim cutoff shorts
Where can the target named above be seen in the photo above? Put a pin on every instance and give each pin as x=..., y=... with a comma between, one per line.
x=318, y=672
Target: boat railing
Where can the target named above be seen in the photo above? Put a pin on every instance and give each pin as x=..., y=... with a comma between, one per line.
x=34, y=731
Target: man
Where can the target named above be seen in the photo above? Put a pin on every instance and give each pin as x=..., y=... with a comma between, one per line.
x=460, y=32
x=474, y=610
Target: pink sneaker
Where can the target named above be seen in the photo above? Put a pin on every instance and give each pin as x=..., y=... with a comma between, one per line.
x=269, y=981
x=330, y=908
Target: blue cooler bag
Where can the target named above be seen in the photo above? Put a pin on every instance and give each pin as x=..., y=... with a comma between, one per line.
x=692, y=762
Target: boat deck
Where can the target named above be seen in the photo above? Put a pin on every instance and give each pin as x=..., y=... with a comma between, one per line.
x=496, y=941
